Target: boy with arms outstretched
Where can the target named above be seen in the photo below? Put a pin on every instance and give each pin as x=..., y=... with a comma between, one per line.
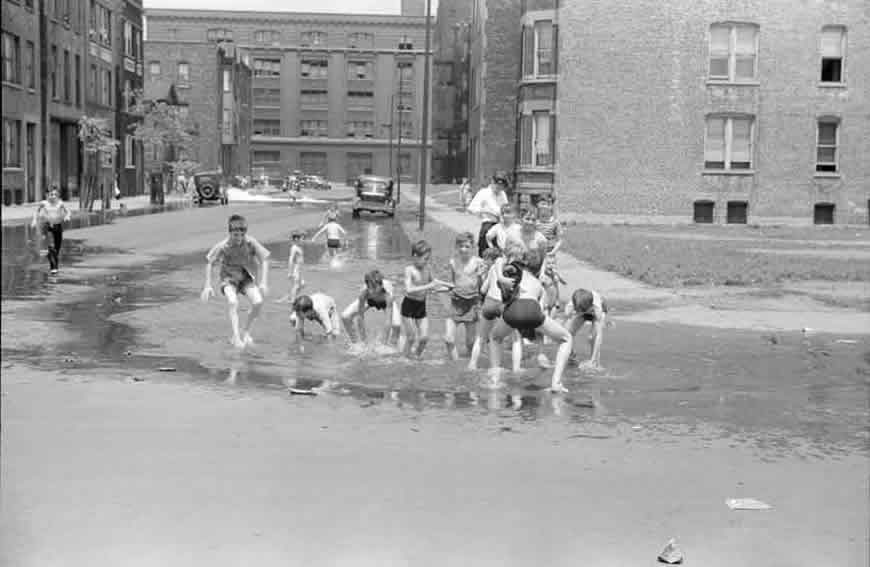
x=418, y=283
x=239, y=256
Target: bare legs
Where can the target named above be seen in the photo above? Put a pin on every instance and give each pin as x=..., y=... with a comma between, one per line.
x=549, y=328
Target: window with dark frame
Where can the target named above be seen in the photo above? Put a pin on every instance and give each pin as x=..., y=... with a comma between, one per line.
x=11, y=143
x=53, y=65
x=703, y=211
x=737, y=212
x=832, y=49
x=267, y=127
x=29, y=65
x=314, y=69
x=823, y=213
x=67, y=79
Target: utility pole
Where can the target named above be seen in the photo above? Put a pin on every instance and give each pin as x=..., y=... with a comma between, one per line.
x=43, y=100
x=399, y=144
x=424, y=161
x=390, y=127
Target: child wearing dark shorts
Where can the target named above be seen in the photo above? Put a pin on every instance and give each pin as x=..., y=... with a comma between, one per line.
x=465, y=274
x=588, y=306
x=418, y=283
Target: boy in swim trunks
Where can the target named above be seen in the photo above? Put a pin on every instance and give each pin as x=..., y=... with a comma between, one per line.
x=588, y=306
x=377, y=293
x=238, y=256
x=418, y=283
x=334, y=234
x=317, y=307
x=294, y=265
x=466, y=271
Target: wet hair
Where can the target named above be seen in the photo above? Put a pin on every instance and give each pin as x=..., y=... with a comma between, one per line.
x=533, y=260
x=237, y=219
x=491, y=254
x=500, y=177
x=464, y=237
x=514, y=272
x=514, y=251
x=420, y=248
x=303, y=304
x=296, y=235
x=529, y=212
x=582, y=300
x=374, y=278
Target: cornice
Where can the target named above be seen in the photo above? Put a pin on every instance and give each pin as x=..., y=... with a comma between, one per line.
x=229, y=16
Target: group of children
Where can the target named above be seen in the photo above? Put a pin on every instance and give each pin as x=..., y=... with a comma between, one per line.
x=511, y=289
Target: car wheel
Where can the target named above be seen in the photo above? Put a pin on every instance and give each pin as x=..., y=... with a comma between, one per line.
x=354, y=214
x=208, y=192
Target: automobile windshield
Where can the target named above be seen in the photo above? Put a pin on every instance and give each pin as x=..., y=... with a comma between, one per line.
x=375, y=186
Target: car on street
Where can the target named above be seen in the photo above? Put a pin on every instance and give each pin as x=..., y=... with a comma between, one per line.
x=374, y=194
x=209, y=186
x=314, y=182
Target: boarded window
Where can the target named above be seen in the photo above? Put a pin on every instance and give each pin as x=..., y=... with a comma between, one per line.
x=704, y=211
x=737, y=212
x=823, y=213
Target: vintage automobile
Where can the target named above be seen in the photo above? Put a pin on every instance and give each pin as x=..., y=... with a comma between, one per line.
x=314, y=182
x=210, y=186
x=374, y=194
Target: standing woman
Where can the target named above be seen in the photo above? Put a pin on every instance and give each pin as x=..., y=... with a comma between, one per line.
x=487, y=203
x=51, y=215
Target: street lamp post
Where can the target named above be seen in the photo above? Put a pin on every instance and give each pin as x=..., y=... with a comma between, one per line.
x=424, y=162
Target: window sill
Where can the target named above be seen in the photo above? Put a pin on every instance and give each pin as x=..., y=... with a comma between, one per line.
x=826, y=175
x=535, y=168
x=535, y=79
x=822, y=85
x=737, y=172
x=13, y=169
x=723, y=83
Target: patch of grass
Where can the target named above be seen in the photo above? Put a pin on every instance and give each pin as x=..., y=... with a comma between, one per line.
x=638, y=252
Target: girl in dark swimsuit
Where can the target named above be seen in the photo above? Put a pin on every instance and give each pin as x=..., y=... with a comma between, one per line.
x=377, y=293
x=522, y=293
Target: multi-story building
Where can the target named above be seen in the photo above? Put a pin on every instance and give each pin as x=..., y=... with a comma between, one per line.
x=721, y=112
x=322, y=86
x=451, y=38
x=130, y=75
x=212, y=84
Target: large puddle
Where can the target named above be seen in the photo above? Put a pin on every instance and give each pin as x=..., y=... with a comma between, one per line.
x=146, y=322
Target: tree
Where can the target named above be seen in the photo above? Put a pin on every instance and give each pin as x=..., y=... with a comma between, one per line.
x=99, y=149
x=166, y=127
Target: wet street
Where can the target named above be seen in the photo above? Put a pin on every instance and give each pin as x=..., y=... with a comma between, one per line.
x=118, y=354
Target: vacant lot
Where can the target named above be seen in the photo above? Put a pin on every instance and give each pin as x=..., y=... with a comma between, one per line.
x=710, y=255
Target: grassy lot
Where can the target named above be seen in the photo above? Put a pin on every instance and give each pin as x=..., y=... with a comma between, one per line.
x=695, y=256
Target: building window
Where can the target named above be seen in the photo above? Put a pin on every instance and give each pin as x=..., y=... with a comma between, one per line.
x=127, y=96
x=313, y=38
x=267, y=36
x=67, y=79
x=405, y=165
x=827, y=139
x=360, y=40
x=703, y=211
x=314, y=128
x=267, y=97
x=360, y=129
x=227, y=81
x=359, y=70
x=53, y=65
x=314, y=97
x=313, y=163
x=100, y=27
x=219, y=34
x=728, y=143
x=105, y=87
x=11, y=143
x=406, y=127
x=92, y=84
x=314, y=69
x=264, y=127
x=183, y=72
x=129, y=152
x=543, y=48
x=737, y=212
x=262, y=156
x=227, y=122
x=537, y=139
x=11, y=57
x=823, y=213
x=128, y=39
x=267, y=67
x=29, y=68
x=364, y=99
x=78, y=80
x=833, y=48
x=154, y=68
x=733, y=52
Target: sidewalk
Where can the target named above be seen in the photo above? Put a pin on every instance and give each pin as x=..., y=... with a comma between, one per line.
x=16, y=214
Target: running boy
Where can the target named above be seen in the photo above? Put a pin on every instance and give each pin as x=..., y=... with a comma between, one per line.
x=334, y=234
x=587, y=305
x=466, y=275
x=294, y=265
x=51, y=214
x=317, y=307
x=238, y=256
x=418, y=283
x=376, y=293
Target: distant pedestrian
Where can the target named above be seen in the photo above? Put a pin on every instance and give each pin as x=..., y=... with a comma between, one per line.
x=488, y=204
x=50, y=215
x=335, y=233
x=238, y=256
x=464, y=190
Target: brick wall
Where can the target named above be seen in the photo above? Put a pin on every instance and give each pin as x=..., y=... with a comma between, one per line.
x=633, y=96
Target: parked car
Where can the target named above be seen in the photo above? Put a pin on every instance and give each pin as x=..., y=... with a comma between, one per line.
x=314, y=182
x=209, y=186
x=374, y=194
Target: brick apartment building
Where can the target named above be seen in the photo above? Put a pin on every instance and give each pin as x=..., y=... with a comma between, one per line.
x=130, y=73
x=58, y=65
x=323, y=84
x=212, y=83
x=696, y=109
x=451, y=48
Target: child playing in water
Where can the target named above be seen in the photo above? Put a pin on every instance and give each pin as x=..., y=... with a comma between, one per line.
x=317, y=307
x=376, y=293
x=294, y=265
x=238, y=256
x=334, y=234
x=465, y=274
x=51, y=214
x=588, y=305
x=418, y=283
x=330, y=215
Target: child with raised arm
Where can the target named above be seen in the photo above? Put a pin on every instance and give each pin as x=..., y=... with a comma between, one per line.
x=334, y=235
x=466, y=276
x=376, y=293
x=418, y=283
x=239, y=256
x=317, y=307
x=294, y=265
